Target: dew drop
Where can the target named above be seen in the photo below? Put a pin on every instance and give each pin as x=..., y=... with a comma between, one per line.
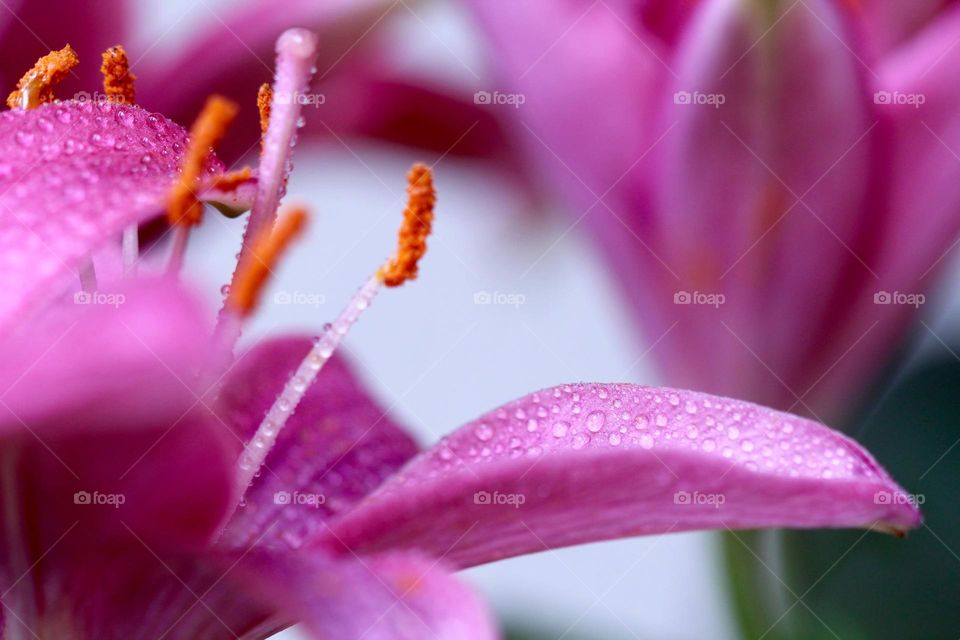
x=560, y=429
x=483, y=431
x=595, y=420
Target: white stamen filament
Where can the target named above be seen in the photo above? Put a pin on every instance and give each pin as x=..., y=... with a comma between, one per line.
x=131, y=250
x=294, y=390
x=181, y=234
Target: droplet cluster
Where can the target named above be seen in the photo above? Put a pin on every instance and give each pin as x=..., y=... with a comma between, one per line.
x=71, y=173
x=620, y=416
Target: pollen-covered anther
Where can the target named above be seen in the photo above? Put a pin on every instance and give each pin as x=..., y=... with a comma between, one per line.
x=264, y=98
x=117, y=77
x=208, y=129
x=231, y=180
x=416, y=226
x=268, y=249
x=36, y=85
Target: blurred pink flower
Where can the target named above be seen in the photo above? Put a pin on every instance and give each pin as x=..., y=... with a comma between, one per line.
x=227, y=49
x=773, y=183
x=155, y=486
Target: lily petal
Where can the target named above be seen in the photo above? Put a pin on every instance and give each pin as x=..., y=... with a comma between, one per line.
x=593, y=462
x=73, y=175
x=765, y=161
x=386, y=597
x=336, y=448
x=98, y=377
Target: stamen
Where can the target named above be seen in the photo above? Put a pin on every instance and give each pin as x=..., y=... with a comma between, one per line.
x=117, y=78
x=270, y=246
x=232, y=179
x=264, y=98
x=131, y=249
x=36, y=85
x=184, y=209
x=417, y=223
x=296, y=54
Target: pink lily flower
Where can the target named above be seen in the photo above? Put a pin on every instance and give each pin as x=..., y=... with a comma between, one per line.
x=156, y=486
x=773, y=183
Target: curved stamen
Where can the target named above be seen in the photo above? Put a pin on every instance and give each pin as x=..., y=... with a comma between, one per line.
x=269, y=248
x=184, y=209
x=417, y=222
x=36, y=85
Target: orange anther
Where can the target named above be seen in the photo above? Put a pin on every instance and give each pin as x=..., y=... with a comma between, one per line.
x=416, y=226
x=267, y=250
x=117, y=78
x=36, y=85
x=208, y=129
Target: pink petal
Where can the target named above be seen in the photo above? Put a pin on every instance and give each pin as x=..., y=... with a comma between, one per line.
x=71, y=176
x=593, y=462
x=762, y=190
x=103, y=399
x=387, y=597
x=889, y=23
x=586, y=77
x=336, y=448
x=918, y=105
